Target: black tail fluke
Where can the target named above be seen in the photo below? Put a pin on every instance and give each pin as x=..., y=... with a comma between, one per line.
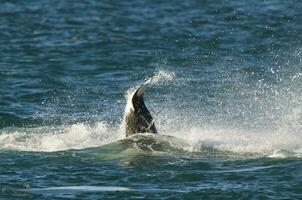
x=138, y=119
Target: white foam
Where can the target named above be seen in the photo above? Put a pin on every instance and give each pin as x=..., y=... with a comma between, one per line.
x=79, y=136
x=76, y=136
x=241, y=141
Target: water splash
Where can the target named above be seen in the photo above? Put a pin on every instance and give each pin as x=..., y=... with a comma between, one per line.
x=162, y=76
x=278, y=103
x=76, y=136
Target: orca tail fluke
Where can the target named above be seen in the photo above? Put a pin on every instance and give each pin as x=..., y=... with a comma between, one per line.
x=138, y=119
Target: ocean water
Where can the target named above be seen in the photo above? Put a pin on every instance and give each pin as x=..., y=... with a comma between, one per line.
x=225, y=94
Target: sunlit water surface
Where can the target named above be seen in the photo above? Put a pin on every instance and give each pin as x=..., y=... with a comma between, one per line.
x=224, y=90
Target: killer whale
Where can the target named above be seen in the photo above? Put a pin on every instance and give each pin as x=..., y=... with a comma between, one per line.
x=137, y=117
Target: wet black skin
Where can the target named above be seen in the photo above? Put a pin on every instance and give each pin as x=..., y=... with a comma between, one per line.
x=139, y=120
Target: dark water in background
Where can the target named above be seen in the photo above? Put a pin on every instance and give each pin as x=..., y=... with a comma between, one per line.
x=228, y=85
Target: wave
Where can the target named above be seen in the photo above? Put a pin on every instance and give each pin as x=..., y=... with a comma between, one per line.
x=194, y=140
x=76, y=136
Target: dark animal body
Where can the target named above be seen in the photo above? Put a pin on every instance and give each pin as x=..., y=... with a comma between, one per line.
x=137, y=117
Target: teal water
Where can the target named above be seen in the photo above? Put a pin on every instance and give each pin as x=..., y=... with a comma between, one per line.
x=225, y=97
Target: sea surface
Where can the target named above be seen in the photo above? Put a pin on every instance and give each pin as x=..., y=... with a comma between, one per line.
x=225, y=85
